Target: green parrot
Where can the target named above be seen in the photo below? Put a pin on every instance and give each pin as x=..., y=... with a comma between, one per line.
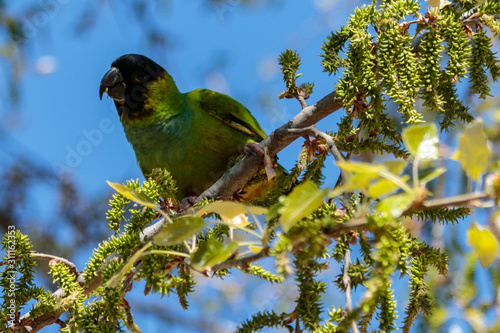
x=192, y=135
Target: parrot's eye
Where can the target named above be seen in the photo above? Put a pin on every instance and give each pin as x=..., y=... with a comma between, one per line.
x=138, y=76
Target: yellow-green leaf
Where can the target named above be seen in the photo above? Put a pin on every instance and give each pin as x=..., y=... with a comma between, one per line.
x=422, y=141
x=395, y=205
x=360, y=181
x=228, y=210
x=473, y=152
x=255, y=249
x=360, y=167
x=302, y=201
x=384, y=186
x=373, y=178
x=179, y=231
x=273, y=211
x=427, y=177
x=133, y=195
x=212, y=252
x=484, y=243
x=395, y=166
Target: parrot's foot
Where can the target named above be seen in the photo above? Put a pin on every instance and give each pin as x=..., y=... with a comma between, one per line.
x=253, y=148
x=188, y=202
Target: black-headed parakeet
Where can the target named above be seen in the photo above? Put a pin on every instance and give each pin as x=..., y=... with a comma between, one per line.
x=192, y=135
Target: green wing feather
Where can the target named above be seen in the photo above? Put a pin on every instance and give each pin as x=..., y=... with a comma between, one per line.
x=229, y=111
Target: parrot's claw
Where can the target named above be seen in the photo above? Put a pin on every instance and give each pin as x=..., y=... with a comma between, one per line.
x=253, y=148
x=187, y=202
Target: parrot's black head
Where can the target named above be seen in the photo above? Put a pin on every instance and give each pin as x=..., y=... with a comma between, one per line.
x=127, y=80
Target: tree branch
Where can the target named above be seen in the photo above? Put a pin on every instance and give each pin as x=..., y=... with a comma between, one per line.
x=238, y=175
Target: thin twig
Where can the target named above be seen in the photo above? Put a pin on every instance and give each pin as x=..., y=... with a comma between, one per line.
x=127, y=284
x=413, y=22
x=242, y=262
x=468, y=199
x=474, y=20
x=297, y=325
x=332, y=231
x=346, y=280
x=66, y=262
x=302, y=101
x=338, y=229
x=129, y=319
x=315, y=132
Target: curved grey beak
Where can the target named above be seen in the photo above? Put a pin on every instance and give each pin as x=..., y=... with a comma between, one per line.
x=112, y=83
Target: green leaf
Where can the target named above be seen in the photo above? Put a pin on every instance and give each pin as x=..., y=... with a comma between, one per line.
x=212, y=252
x=360, y=181
x=422, y=141
x=359, y=167
x=395, y=205
x=274, y=211
x=427, y=177
x=133, y=195
x=395, y=167
x=302, y=201
x=373, y=179
x=179, y=231
x=484, y=243
x=255, y=249
x=129, y=265
x=228, y=210
x=383, y=187
x=473, y=152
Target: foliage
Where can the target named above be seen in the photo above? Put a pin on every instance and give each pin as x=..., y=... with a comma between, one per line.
x=388, y=57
